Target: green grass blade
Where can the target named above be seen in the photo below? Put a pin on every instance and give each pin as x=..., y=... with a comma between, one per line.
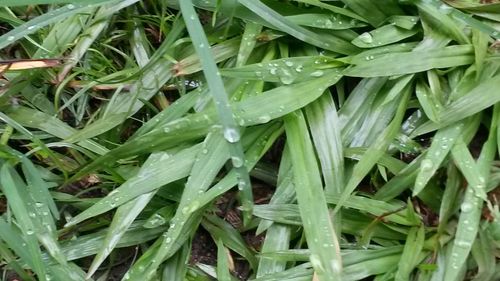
x=471, y=206
x=20, y=210
x=283, y=24
x=382, y=36
x=410, y=257
x=412, y=62
x=322, y=119
x=220, y=97
x=325, y=252
x=441, y=145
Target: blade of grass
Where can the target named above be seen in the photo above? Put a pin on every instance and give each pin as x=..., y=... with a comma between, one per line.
x=472, y=204
x=325, y=251
x=220, y=97
x=283, y=24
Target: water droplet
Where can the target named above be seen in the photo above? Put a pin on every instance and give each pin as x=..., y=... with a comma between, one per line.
x=30, y=232
x=242, y=184
x=264, y=119
x=202, y=45
x=70, y=6
x=237, y=161
x=39, y=204
x=463, y=244
x=466, y=207
x=426, y=165
x=273, y=71
x=317, y=73
x=258, y=73
x=336, y=266
x=31, y=215
x=286, y=77
x=11, y=38
x=164, y=156
x=366, y=38
x=299, y=68
x=231, y=135
x=114, y=192
x=289, y=63
x=156, y=220
x=481, y=180
x=31, y=27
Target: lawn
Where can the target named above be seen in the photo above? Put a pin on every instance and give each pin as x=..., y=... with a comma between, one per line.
x=249, y=140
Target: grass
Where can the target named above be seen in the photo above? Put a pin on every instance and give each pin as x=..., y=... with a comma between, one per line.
x=249, y=140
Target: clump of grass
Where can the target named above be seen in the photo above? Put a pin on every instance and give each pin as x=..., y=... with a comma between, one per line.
x=251, y=140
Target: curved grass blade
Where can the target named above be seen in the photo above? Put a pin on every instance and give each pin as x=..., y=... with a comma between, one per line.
x=283, y=24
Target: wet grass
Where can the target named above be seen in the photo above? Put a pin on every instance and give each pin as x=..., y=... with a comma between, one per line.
x=244, y=139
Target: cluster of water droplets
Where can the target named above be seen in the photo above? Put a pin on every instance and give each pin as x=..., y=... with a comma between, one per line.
x=287, y=71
